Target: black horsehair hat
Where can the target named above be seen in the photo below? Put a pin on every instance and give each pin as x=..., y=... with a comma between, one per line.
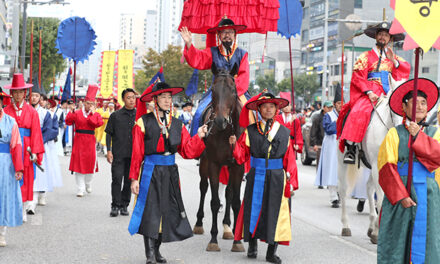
x=227, y=23
x=158, y=88
x=372, y=31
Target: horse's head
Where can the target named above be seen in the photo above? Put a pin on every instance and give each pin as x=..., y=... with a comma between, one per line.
x=224, y=95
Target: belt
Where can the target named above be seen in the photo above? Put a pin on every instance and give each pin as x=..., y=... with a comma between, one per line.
x=5, y=148
x=150, y=161
x=383, y=77
x=84, y=131
x=261, y=166
x=25, y=132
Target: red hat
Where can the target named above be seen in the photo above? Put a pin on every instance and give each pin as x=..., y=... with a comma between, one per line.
x=286, y=95
x=244, y=115
x=91, y=92
x=18, y=83
x=267, y=98
x=425, y=85
x=52, y=102
x=159, y=88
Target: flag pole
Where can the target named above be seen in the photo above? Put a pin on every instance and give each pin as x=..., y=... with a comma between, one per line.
x=53, y=84
x=39, y=63
x=31, y=56
x=413, y=118
x=342, y=72
x=292, y=94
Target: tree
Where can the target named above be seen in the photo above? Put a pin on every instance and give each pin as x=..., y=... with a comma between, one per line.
x=304, y=85
x=267, y=82
x=50, y=58
x=175, y=73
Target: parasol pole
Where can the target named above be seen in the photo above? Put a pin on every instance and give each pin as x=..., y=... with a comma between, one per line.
x=342, y=72
x=413, y=118
x=30, y=53
x=292, y=94
x=74, y=81
x=39, y=63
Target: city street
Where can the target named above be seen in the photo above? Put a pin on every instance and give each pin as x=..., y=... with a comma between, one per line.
x=79, y=230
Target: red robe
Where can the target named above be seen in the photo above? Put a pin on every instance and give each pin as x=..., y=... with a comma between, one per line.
x=295, y=128
x=28, y=119
x=360, y=105
x=202, y=60
x=83, y=159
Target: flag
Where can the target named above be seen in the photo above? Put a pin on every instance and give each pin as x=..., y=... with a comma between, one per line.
x=66, y=92
x=158, y=77
x=193, y=83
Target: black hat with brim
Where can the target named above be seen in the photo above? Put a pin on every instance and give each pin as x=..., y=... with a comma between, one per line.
x=372, y=31
x=267, y=98
x=227, y=23
x=159, y=88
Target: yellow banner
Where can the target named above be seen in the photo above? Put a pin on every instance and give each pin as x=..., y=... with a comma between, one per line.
x=107, y=70
x=125, y=72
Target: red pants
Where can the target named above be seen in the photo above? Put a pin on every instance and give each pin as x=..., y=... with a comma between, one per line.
x=358, y=120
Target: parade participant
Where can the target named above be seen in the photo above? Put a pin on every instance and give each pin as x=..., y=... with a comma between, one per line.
x=186, y=117
x=83, y=160
x=265, y=213
x=54, y=170
x=289, y=119
x=368, y=82
x=110, y=110
x=317, y=131
x=28, y=122
x=225, y=55
x=159, y=214
x=119, y=139
x=409, y=230
x=58, y=111
x=99, y=132
x=11, y=171
x=43, y=181
x=68, y=131
x=327, y=173
x=176, y=113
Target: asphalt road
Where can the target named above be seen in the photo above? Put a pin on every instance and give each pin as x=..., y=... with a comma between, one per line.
x=79, y=230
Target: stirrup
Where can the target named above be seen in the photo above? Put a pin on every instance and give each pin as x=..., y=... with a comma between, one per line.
x=349, y=158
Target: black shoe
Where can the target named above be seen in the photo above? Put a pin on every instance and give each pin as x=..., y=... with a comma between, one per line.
x=320, y=187
x=270, y=254
x=335, y=204
x=360, y=206
x=114, y=212
x=159, y=258
x=253, y=248
x=350, y=155
x=124, y=210
x=149, y=249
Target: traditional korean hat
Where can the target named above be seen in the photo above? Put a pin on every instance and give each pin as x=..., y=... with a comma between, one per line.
x=425, y=85
x=227, y=23
x=372, y=31
x=4, y=97
x=338, y=96
x=187, y=104
x=18, y=83
x=37, y=88
x=91, y=93
x=159, y=88
x=267, y=98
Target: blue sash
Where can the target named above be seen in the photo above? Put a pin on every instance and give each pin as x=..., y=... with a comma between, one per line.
x=259, y=165
x=383, y=76
x=5, y=148
x=150, y=162
x=25, y=132
x=418, y=240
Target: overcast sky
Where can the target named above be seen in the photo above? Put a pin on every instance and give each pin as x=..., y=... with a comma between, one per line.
x=102, y=14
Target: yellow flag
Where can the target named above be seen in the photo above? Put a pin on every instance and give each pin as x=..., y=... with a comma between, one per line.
x=125, y=72
x=107, y=69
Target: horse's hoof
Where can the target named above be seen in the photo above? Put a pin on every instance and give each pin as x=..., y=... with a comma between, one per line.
x=346, y=232
x=373, y=239
x=198, y=230
x=370, y=231
x=228, y=236
x=213, y=247
x=237, y=247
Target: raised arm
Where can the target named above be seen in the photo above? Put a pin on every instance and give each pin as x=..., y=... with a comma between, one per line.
x=190, y=147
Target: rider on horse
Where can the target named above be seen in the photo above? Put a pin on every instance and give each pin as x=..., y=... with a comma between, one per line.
x=368, y=82
x=224, y=56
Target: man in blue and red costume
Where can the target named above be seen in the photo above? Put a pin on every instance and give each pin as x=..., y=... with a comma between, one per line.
x=225, y=55
x=368, y=82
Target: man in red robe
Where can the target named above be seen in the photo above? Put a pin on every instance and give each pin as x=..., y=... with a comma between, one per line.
x=29, y=126
x=83, y=160
x=368, y=82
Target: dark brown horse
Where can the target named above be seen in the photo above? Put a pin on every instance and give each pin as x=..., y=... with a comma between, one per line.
x=222, y=118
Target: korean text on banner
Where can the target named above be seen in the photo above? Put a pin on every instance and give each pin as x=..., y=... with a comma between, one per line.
x=125, y=72
x=107, y=70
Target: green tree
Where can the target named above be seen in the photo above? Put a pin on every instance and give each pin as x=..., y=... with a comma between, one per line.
x=304, y=85
x=175, y=73
x=51, y=60
x=267, y=81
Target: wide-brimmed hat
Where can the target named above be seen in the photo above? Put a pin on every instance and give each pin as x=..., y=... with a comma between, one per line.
x=159, y=88
x=371, y=31
x=425, y=85
x=267, y=98
x=18, y=83
x=52, y=102
x=187, y=104
x=227, y=23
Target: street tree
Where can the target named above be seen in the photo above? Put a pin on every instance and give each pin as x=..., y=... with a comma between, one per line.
x=304, y=85
x=267, y=81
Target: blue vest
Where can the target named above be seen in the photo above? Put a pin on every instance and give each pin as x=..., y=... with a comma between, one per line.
x=220, y=61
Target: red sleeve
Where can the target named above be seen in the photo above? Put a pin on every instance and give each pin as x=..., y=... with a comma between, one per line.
x=198, y=59
x=95, y=120
x=16, y=149
x=190, y=147
x=241, y=151
x=360, y=82
x=70, y=118
x=391, y=183
x=137, y=155
x=298, y=138
x=289, y=164
x=37, y=146
x=401, y=72
x=242, y=79
x=427, y=151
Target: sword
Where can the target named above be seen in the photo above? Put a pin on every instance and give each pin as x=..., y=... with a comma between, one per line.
x=32, y=157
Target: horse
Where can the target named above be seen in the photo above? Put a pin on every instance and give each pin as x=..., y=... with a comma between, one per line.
x=382, y=120
x=222, y=118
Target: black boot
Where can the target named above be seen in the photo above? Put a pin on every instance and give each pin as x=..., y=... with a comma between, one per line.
x=124, y=210
x=159, y=258
x=114, y=212
x=350, y=155
x=360, y=206
x=270, y=254
x=253, y=248
x=149, y=249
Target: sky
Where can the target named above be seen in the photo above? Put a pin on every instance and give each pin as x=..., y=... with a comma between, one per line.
x=103, y=15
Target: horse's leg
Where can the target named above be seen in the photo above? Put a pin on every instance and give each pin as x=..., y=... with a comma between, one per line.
x=214, y=171
x=235, y=181
x=371, y=203
x=227, y=231
x=379, y=194
x=203, y=186
x=342, y=186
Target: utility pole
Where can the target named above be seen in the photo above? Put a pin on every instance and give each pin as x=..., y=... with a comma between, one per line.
x=324, y=66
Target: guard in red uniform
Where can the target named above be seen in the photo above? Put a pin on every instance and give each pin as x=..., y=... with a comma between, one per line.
x=83, y=160
x=29, y=126
x=368, y=82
